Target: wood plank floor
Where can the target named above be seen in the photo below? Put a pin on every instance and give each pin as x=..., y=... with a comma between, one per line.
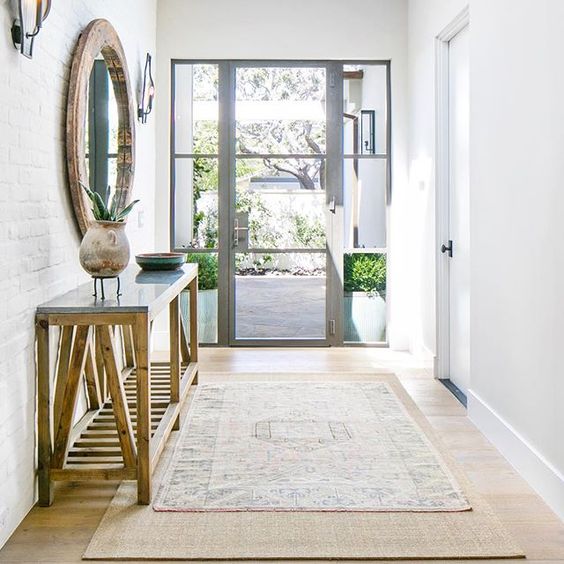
x=61, y=533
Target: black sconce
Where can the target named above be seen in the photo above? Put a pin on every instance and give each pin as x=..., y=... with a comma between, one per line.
x=32, y=14
x=148, y=94
x=368, y=132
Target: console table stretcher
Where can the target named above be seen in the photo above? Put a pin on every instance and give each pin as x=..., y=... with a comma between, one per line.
x=133, y=404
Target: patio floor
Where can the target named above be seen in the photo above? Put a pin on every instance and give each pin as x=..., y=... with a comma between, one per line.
x=280, y=307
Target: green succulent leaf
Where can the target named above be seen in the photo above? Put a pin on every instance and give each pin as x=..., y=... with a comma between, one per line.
x=102, y=211
x=100, y=207
x=87, y=190
x=114, y=206
x=125, y=211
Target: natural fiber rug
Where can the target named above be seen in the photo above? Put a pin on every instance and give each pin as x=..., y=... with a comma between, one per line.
x=132, y=532
x=305, y=446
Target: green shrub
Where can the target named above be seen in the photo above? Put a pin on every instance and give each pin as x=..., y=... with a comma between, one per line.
x=207, y=269
x=365, y=272
x=309, y=232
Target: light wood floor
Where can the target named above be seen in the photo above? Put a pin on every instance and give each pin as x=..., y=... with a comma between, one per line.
x=61, y=533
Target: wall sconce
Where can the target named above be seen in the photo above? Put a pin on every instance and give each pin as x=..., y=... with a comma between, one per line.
x=32, y=14
x=368, y=132
x=148, y=94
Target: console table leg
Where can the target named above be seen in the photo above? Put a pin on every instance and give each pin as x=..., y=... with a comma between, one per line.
x=70, y=396
x=119, y=399
x=174, y=334
x=44, y=414
x=128, y=347
x=193, y=286
x=142, y=337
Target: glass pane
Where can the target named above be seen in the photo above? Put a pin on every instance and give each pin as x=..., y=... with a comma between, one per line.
x=101, y=132
x=113, y=120
x=280, y=110
x=280, y=296
x=365, y=203
x=196, y=203
x=207, y=297
x=365, y=297
x=365, y=109
x=196, y=109
x=284, y=201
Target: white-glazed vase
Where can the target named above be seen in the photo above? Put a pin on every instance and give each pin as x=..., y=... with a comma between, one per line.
x=104, y=251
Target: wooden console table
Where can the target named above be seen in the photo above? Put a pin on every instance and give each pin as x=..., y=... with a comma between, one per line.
x=132, y=404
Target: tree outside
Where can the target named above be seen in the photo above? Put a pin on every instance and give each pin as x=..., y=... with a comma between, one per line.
x=293, y=218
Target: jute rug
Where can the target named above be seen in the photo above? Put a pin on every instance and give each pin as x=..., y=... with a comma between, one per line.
x=305, y=446
x=131, y=532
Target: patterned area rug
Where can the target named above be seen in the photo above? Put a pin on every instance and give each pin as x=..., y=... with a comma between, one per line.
x=305, y=446
x=136, y=532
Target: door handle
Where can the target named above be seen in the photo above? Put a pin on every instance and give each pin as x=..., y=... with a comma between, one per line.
x=332, y=205
x=236, y=230
x=445, y=248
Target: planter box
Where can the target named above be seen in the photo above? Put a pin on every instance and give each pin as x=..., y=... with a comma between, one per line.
x=207, y=314
x=365, y=318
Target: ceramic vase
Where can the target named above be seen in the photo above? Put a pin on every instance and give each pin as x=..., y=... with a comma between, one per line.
x=104, y=251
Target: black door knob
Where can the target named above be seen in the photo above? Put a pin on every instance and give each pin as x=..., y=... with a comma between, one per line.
x=445, y=248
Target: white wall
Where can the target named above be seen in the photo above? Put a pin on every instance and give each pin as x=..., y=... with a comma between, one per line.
x=38, y=237
x=517, y=211
x=269, y=29
x=517, y=230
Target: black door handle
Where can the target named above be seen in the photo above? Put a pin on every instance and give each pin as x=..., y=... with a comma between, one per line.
x=448, y=249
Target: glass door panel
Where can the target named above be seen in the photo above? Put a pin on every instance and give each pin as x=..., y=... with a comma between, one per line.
x=365, y=199
x=196, y=109
x=365, y=109
x=280, y=110
x=195, y=170
x=280, y=296
x=285, y=202
x=280, y=206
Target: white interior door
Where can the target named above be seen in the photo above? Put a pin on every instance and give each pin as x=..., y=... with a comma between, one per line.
x=459, y=203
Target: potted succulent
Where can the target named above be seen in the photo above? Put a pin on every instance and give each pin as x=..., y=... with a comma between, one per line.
x=104, y=251
x=365, y=297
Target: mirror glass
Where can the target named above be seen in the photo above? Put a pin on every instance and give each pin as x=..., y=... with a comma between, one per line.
x=101, y=131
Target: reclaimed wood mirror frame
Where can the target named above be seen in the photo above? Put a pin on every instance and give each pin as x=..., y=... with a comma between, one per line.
x=98, y=38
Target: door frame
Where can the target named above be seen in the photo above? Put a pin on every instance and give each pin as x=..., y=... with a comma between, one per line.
x=334, y=157
x=442, y=190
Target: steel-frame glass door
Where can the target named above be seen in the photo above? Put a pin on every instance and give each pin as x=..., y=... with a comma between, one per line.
x=239, y=188
x=281, y=204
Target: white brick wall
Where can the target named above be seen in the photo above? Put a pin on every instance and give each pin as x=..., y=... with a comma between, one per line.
x=38, y=236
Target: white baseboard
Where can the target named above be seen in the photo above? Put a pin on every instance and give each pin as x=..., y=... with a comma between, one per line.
x=541, y=475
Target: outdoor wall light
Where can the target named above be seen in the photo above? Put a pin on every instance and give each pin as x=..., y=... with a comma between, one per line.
x=148, y=94
x=32, y=14
x=368, y=132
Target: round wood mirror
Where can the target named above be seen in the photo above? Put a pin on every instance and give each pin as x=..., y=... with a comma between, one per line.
x=100, y=121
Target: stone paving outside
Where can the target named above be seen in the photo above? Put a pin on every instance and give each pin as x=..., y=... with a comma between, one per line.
x=280, y=307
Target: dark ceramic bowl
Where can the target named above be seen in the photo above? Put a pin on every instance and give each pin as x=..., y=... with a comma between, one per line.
x=160, y=261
